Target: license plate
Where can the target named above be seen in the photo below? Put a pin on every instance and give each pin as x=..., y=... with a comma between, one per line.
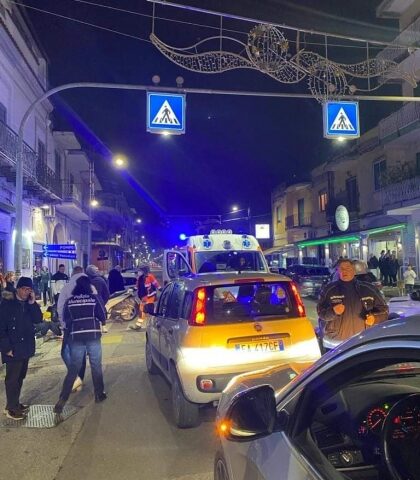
x=263, y=346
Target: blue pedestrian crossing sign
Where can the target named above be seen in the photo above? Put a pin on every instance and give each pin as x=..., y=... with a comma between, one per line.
x=341, y=119
x=166, y=113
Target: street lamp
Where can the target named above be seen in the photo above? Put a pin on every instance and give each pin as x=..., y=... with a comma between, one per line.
x=120, y=161
x=138, y=220
x=235, y=208
x=94, y=203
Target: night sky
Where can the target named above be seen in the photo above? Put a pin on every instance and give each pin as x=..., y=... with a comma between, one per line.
x=236, y=149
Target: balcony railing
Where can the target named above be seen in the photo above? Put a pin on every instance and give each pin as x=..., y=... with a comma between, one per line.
x=73, y=194
x=35, y=169
x=409, y=114
x=401, y=192
x=296, y=221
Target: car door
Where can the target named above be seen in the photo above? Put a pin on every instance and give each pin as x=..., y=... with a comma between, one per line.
x=169, y=333
x=155, y=323
x=175, y=265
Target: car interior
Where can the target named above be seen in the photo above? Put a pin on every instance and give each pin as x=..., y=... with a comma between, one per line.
x=370, y=428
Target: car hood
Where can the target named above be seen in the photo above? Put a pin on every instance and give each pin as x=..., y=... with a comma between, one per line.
x=277, y=377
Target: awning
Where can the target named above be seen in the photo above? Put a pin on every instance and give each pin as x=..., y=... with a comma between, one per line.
x=388, y=228
x=280, y=249
x=329, y=240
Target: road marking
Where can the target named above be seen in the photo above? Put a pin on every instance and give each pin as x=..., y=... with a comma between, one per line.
x=111, y=339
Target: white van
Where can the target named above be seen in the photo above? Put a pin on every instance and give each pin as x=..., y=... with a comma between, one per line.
x=219, y=251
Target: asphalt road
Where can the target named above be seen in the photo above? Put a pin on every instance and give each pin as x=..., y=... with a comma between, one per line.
x=130, y=436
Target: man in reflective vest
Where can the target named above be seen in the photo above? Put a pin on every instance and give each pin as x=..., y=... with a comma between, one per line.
x=147, y=288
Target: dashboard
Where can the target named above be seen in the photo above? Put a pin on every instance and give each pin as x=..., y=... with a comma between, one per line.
x=348, y=427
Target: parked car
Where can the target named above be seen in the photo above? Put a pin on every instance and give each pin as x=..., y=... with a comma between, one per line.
x=405, y=306
x=208, y=328
x=355, y=413
x=310, y=279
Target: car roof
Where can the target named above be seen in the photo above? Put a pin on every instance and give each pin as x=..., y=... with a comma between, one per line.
x=223, y=278
x=407, y=328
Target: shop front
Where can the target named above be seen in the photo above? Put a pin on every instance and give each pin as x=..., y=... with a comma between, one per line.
x=328, y=250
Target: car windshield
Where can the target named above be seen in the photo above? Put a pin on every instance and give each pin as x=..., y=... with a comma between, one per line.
x=229, y=261
x=242, y=303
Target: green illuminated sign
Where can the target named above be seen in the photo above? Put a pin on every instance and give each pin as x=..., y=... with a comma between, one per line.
x=327, y=241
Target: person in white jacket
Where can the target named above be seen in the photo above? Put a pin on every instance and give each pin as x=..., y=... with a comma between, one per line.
x=409, y=278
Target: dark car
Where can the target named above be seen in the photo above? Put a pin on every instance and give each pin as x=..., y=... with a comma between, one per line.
x=310, y=279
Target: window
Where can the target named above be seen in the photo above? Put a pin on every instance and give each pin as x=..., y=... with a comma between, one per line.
x=3, y=113
x=57, y=159
x=379, y=172
x=322, y=200
x=42, y=153
x=163, y=301
x=352, y=194
x=176, y=301
x=278, y=214
x=301, y=211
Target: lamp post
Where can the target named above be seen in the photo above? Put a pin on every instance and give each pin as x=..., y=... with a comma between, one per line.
x=236, y=209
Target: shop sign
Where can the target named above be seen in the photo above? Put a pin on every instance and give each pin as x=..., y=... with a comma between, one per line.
x=342, y=218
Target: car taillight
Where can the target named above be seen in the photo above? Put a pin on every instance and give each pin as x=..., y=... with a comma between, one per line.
x=299, y=303
x=198, y=314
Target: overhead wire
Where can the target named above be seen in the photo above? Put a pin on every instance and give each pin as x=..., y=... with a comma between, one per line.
x=93, y=25
x=211, y=27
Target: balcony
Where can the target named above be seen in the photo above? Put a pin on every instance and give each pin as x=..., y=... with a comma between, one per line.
x=297, y=221
x=39, y=179
x=403, y=197
x=400, y=122
x=73, y=204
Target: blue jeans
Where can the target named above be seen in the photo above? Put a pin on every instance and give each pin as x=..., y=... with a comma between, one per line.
x=78, y=351
x=66, y=356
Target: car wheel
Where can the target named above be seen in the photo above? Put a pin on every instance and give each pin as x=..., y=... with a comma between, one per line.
x=220, y=468
x=128, y=311
x=151, y=366
x=186, y=413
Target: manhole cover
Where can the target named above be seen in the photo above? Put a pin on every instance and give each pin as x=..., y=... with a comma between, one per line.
x=40, y=416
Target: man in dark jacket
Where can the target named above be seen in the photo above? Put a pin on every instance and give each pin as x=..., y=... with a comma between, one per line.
x=115, y=280
x=98, y=282
x=18, y=314
x=348, y=306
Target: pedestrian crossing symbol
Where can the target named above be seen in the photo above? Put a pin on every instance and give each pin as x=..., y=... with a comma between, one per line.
x=341, y=119
x=165, y=113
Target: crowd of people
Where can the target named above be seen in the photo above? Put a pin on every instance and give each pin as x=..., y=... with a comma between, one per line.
x=389, y=267
x=79, y=319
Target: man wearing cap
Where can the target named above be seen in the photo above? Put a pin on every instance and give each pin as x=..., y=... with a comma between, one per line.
x=18, y=314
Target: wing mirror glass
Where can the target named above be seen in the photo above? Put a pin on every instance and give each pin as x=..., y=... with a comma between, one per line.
x=274, y=270
x=252, y=415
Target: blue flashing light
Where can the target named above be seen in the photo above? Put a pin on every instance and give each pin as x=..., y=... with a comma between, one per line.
x=182, y=236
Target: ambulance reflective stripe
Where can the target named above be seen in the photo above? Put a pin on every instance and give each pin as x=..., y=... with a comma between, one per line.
x=165, y=115
x=342, y=122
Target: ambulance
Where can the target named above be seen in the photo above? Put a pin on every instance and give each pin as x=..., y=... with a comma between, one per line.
x=219, y=251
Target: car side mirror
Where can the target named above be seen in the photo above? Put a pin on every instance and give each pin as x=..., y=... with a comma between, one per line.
x=252, y=415
x=149, y=308
x=275, y=270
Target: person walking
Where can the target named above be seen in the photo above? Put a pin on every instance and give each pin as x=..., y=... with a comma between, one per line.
x=19, y=313
x=115, y=280
x=347, y=306
x=409, y=279
x=65, y=294
x=58, y=280
x=10, y=282
x=84, y=313
x=45, y=284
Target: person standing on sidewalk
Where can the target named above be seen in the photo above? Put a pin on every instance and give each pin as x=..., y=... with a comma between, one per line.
x=115, y=280
x=84, y=313
x=348, y=306
x=409, y=279
x=19, y=313
x=44, y=285
x=58, y=280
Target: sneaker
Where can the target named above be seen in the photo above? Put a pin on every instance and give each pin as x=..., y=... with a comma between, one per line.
x=77, y=385
x=58, y=408
x=15, y=414
x=104, y=329
x=101, y=397
x=25, y=408
x=136, y=327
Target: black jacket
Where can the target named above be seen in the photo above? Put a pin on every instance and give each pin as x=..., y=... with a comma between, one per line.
x=83, y=316
x=359, y=299
x=17, y=331
x=101, y=287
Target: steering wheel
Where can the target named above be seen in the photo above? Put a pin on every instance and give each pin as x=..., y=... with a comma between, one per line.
x=400, y=439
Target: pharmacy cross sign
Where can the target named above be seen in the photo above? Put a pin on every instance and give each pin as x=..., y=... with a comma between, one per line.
x=341, y=119
x=166, y=113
